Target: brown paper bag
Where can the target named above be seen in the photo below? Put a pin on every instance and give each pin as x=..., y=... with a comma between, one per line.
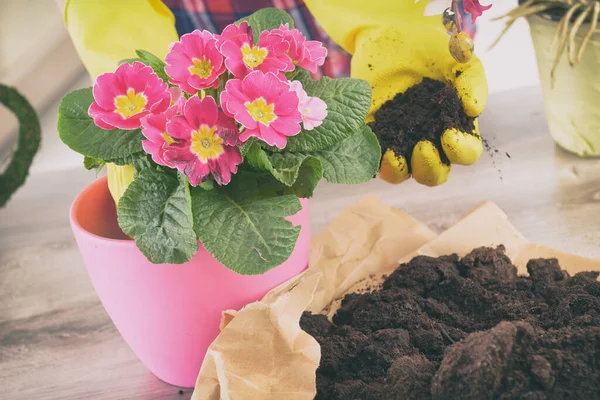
x=262, y=353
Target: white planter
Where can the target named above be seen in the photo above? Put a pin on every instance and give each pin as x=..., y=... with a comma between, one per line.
x=573, y=104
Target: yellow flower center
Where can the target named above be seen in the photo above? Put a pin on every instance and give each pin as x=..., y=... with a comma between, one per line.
x=205, y=144
x=253, y=56
x=130, y=104
x=201, y=68
x=260, y=111
x=168, y=139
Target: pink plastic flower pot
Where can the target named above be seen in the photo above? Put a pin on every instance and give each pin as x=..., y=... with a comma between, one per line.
x=168, y=314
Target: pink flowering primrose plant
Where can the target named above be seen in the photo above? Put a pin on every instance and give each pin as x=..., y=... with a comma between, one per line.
x=225, y=135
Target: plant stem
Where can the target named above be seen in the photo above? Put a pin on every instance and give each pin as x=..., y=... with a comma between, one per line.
x=457, y=16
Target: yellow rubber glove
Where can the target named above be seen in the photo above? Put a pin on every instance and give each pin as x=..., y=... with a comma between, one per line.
x=394, y=46
x=105, y=32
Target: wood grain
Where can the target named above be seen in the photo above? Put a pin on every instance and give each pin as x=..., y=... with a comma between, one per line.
x=57, y=342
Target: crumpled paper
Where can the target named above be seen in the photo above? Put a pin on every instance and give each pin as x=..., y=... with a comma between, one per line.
x=263, y=354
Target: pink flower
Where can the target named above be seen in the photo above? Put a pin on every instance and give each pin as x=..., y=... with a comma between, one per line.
x=474, y=8
x=154, y=128
x=313, y=109
x=177, y=98
x=264, y=105
x=195, y=63
x=205, y=142
x=122, y=98
x=243, y=57
x=306, y=54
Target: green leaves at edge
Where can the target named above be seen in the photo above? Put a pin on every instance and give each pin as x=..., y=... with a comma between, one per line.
x=299, y=172
x=156, y=63
x=355, y=159
x=348, y=101
x=266, y=19
x=249, y=235
x=156, y=211
x=78, y=131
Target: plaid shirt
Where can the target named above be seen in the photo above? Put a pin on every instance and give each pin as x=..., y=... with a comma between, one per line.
x=215, y=15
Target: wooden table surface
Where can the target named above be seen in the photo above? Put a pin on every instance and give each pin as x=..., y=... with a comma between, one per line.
x=57, y=342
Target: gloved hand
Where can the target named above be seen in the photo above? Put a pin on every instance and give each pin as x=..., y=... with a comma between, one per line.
x=105, y=32
x=394, y=46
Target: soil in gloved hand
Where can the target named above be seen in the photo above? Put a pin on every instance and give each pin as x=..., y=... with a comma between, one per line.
x=424, y=111
x=470, y=328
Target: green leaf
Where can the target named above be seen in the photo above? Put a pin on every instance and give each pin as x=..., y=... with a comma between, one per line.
x=207, y=185
x=287, y=167
x=299, y=74
x=156, y=210
x=92, y=163
x=309, y=175
x=353, y=160
x=257, y=158
x=249, y=235
x=156, y=63
x=265, y=20
x=130, y=60
x=348, y=101
x=78, y=131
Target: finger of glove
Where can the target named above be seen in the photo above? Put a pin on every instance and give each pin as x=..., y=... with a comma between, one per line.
x=426, y=165
x=471, y=85
x=394, y=168
x=462, y=148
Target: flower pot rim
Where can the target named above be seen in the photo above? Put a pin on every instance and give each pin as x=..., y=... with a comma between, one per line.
x=75, y=222
x=556, y=16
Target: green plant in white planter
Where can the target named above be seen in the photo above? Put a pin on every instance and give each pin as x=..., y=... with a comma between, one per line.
x=569, y=81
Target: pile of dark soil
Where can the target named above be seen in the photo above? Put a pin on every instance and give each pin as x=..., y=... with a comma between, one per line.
x=470, y=328
x=424, y=111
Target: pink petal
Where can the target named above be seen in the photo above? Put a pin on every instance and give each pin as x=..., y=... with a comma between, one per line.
x=156, y=151
x=178, y=155
x=286, y=104
x=185, y=87
x=243, y=116
x=223, y=166
x=233, y=59
x=474, y=8
x=318, y=53
x=227, y=130
x=179, y=128
x=153, y=126
x=203, y=83
x=197, y=172
x=232, y=95
x=107, y=87
x=238, y=34
x=96, y=113
x=296, y=86
x=140, y=78
x=247, y=133
x=270, y=136
x=118, y=121
x=288, y=125
x=201, y=111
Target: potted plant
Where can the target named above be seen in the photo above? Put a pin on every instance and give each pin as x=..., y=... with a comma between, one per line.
x=227, y=138
x=569, y=83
